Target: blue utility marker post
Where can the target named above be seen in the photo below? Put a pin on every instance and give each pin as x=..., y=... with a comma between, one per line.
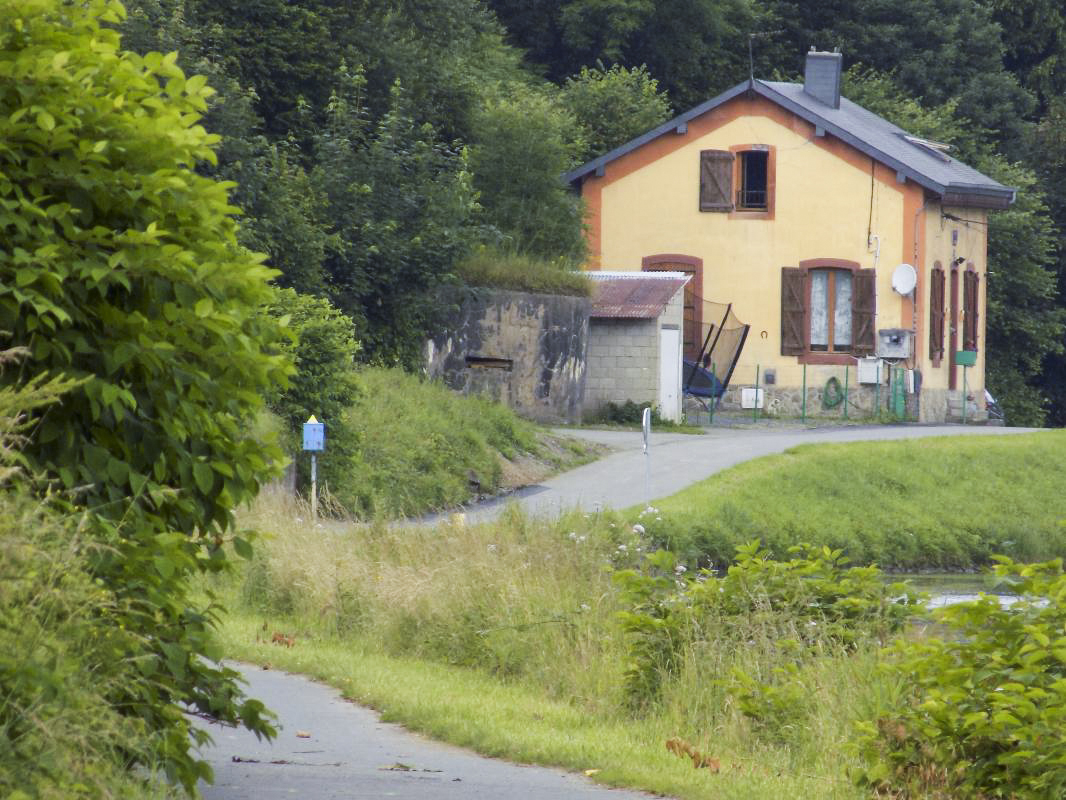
x=314, y=442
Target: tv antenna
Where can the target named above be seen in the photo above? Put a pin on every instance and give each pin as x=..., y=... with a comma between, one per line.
x=751, y=57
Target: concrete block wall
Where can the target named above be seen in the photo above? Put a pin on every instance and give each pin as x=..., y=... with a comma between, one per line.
x=623, y=362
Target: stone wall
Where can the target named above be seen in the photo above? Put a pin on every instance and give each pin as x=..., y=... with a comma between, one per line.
x=525, y=350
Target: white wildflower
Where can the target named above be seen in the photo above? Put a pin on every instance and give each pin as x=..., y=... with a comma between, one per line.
x=638, y=528
x=680, y=569
x=573, y=536
x=622, y=548
x=492, y=548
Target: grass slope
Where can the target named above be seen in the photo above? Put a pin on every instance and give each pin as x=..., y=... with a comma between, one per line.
x=423, y=447
x=945, y=503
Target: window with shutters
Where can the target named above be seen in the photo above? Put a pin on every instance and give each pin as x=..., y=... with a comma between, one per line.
x=827, y=311
x=936, y=314
x=970, y=304
x=739, y=181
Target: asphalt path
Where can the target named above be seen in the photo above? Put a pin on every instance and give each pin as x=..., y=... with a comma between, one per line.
x=348, y=752
x=331, y=749
x=674, y=461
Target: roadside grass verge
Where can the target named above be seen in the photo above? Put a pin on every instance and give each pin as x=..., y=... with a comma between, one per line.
x=518, y=721
x=422, y=447
x=944, y=503
x=505, y=638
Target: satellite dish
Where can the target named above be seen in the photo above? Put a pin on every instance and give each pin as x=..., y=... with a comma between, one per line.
x=904, y=279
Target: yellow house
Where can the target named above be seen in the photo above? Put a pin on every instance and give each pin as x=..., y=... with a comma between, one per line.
x=855, y=252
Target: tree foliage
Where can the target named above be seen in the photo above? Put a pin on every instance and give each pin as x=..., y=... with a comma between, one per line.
x=613, y=105
x=325, y=384
x=120, y=269
x=526, y=140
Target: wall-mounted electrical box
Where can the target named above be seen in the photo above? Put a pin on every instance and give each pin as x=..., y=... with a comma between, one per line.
x=751, y=398
x=894, y=343
x=871, y=370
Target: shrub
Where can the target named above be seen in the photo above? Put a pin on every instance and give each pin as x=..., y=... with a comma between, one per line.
x=323, y=350
x=120, y=268
x=809, y=604
x=985, y=707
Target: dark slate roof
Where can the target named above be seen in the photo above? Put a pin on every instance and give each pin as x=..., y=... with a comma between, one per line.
x=955, y=182
x=633, y=295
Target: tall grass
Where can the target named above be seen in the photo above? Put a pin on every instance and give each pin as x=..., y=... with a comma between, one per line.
x=62, y=657
x=507, y=637
x=501, y=270
x=531, y=605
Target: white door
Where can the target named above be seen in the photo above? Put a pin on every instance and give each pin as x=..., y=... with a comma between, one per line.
x=670, y=374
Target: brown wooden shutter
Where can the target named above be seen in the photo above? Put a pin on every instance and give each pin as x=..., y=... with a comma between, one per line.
x=936, y=316
x=863, y=308
x=793, y=311
x=969, y=310
x=716, y=180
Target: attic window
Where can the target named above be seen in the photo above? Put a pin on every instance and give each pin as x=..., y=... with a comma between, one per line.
x=938, y=149
x=753, y=168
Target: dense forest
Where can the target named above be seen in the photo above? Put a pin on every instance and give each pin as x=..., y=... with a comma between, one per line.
x=375, y=145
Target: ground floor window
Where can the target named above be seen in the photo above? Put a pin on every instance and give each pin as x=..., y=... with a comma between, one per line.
x=827, y=308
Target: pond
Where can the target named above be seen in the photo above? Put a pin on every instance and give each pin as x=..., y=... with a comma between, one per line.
x=946, y=588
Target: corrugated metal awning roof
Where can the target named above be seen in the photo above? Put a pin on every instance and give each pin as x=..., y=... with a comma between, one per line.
x=633, y=295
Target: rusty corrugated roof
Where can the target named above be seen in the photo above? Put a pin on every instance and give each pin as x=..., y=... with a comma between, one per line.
x=633, y=295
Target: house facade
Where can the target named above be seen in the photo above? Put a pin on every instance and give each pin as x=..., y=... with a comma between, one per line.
x=835, y=235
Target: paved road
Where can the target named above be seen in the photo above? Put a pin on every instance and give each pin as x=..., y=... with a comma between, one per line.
x=679, y=460
x=351, y=754
x=349, y=751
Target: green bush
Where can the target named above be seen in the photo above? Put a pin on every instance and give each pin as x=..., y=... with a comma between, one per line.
x=812, y=603
x=119, y=268
x=984, y=708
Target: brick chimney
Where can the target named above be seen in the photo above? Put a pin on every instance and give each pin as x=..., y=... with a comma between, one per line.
x=821, y=77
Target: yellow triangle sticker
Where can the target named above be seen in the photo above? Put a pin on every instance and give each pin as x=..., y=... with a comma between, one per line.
x=311, y=420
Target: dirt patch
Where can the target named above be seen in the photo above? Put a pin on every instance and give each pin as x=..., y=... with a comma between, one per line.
x=554, y=454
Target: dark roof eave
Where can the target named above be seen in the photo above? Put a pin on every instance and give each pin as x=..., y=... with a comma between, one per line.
x=667, y=127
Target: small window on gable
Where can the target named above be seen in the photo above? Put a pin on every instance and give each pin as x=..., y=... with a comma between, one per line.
x=753, y=189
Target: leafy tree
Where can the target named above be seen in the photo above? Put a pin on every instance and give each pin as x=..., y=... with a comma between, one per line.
x=695, y=48
x=935, y=50
x=1025, y=323
x=119, y=267
x=613, y=105
x=403, y=209
x=525, y=141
